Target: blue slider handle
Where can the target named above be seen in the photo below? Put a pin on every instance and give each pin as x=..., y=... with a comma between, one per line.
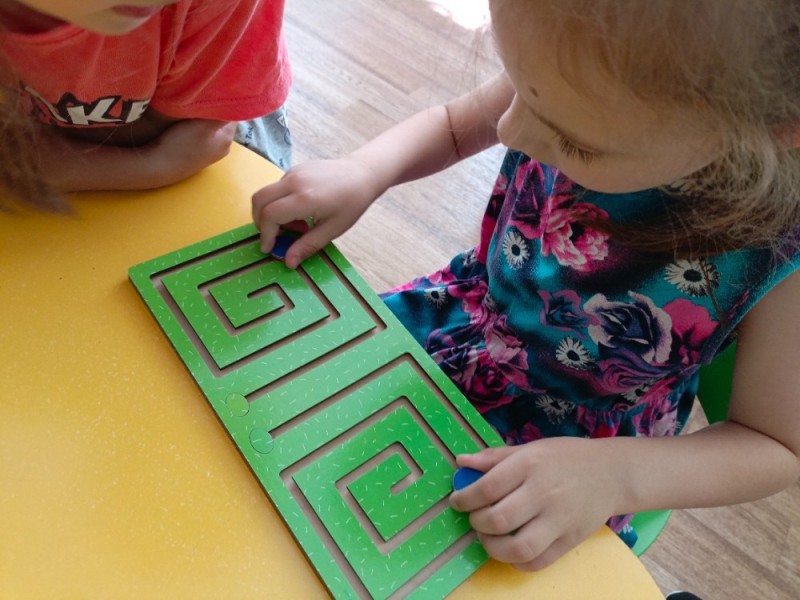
x=282, y=243
x=464, y=477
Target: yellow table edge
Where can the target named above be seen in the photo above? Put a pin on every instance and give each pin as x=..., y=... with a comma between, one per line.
x=116, y=479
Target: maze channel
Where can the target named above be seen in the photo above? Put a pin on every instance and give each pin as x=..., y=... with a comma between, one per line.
x=348, y=424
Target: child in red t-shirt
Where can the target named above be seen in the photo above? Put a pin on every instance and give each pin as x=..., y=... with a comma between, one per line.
x=137, y=96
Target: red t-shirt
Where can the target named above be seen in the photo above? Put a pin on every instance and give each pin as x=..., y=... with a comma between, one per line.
x=196, y=59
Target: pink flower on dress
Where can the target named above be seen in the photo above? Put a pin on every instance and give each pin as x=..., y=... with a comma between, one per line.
x=625, y=373
x=571, y=243
x=528, y=174
x=527, y=221
x=487, y=375
x=472, y=295
x=459, y=362
x=487, y=388
x=660, y=416
x=594, y=423
x=508, y=352
x=473, y=369
x=692, y=326
x=528, y=433
x=526, y=215
x=442, y=277
x=500, y=185
x=489, y=221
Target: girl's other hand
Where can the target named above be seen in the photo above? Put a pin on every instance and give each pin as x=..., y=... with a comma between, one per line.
x=101, y=159
x=333, y=193
x=538, y=500
x=189, y=146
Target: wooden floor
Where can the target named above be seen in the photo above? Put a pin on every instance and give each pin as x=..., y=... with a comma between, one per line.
x=362, y=65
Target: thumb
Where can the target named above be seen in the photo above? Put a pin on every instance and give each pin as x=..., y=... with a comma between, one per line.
x=308, y=244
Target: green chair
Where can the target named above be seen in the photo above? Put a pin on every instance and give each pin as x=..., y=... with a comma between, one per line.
x=714, y=393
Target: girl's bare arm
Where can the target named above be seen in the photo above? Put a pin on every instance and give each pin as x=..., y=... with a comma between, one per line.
x=757, y=451
x=336, y=193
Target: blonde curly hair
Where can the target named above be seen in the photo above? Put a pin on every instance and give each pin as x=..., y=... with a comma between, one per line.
x=21, y=176
x=736, y=63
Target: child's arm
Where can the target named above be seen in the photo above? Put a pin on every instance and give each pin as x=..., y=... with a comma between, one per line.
x=336, y=193
x=558, y=491
x=182, y=149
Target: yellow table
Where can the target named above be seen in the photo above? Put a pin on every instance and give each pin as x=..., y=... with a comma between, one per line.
x=116, y=479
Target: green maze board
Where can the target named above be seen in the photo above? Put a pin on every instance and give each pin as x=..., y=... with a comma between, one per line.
x=348, y=424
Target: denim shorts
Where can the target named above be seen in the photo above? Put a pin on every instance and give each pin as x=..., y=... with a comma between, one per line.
x=268, y=136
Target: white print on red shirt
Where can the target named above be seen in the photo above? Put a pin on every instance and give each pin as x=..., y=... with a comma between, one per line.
x=69, y=111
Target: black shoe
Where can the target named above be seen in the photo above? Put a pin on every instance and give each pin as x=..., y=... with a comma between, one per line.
x=682, y=596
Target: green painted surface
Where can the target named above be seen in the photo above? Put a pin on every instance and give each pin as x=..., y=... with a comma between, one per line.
x=350, y=427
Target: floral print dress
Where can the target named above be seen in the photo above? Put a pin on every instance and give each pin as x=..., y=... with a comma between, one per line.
x=550, y=328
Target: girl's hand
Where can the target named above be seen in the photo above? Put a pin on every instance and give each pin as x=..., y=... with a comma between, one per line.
x=187, y=147
x=538, y=500
x=85, y=163
x=333, y=193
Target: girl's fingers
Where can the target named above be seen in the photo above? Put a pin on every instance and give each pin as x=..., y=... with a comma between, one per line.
x=555, y=551
x=507, y=515
x=302, y=248
x=310, y=243
x=274, y=215
x=487, y=458
x=269, y=232
x=525, y=547
x=499, y=480
x=266, y=196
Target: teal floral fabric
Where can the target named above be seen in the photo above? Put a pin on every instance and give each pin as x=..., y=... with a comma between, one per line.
x=551, y=328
